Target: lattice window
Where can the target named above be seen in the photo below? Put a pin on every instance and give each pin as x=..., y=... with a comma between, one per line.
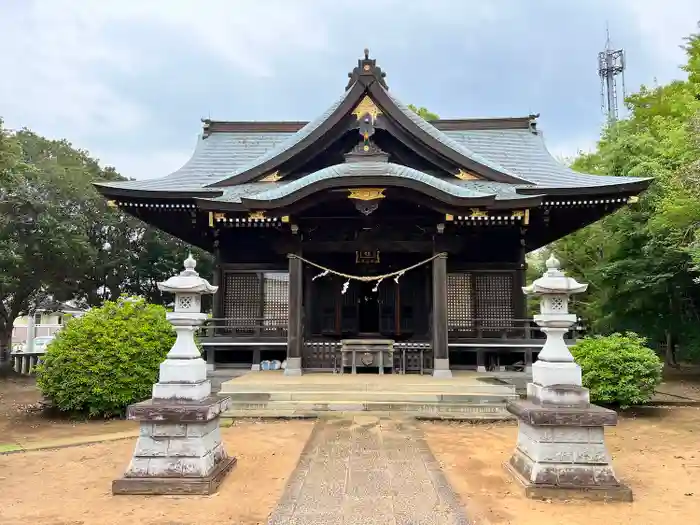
x=276, y=293
x=242, y=301
x=460, y=301
x=558, y=304
x=185, y=302
x=494, y=299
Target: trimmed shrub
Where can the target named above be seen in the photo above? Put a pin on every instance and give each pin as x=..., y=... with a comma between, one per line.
x=619, y=369
x=107, y=359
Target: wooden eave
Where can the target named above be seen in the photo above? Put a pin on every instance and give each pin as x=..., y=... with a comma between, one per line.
x=632, y=188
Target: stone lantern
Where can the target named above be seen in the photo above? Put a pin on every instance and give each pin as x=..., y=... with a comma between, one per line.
x=561, y=451
x=179, y=449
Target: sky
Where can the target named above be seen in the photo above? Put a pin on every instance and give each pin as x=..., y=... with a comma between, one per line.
x=129, y=80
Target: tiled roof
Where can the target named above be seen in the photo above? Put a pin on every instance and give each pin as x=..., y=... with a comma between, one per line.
x=520, y=152
x=448, y=141
x=459, y=188
x=361, y=169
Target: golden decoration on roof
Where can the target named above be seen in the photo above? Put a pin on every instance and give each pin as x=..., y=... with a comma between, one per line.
x=256, y=215
x=367, y=107
x=476, y=212
x=465, y=175
x=633, y=199
x=272, y=177
x=366, y=194
x=216, y=217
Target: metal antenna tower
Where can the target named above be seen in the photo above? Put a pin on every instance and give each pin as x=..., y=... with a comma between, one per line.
x=611, y=63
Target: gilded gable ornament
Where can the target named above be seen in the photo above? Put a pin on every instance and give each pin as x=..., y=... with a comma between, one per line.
x=272, y=177
x=367, y=107
x=366, y=194
x=465, y=175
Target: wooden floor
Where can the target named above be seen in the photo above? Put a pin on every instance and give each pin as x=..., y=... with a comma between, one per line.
x=271, y=381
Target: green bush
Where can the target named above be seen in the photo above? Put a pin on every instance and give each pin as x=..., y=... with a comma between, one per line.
x=107, y=359
x=618, y=369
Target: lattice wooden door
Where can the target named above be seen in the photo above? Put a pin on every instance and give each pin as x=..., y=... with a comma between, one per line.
x=460, y=301
x=494, y=299
x=242, y=299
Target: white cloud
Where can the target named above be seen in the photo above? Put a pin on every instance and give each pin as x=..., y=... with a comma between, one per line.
x=50, y=83
x=566, y=151
x=55, y=50
x=144, y=164
x=56, y=53
x=663, y=25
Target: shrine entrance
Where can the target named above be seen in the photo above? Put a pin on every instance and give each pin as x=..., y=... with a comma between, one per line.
x=368, y=310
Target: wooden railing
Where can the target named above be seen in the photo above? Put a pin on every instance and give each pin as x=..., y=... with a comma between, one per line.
x=518, y=329
x=243, y=328
x=473, y=329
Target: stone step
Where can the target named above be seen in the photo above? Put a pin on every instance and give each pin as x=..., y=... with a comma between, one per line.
x=286, y=385
x=360, y=349
x=375, y=395
x=274, y=413
x=353, y=342
x=359, y=406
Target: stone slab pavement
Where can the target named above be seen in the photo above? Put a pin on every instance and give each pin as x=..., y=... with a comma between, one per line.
x=366, y=471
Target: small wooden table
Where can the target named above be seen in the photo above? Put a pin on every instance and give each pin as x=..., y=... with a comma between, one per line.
x=381, y=350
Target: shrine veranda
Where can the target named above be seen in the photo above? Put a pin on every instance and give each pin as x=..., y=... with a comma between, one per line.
x=295, y=212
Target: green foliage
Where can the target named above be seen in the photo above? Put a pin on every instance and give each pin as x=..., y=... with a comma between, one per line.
x=107, y=359
x=643, y=261
x=54, y=224
x=423, y=113
x=618, y=369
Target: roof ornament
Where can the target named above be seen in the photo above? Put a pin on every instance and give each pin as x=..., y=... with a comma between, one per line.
x=366, y=72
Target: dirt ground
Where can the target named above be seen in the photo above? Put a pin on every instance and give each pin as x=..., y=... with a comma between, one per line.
x=21, y=422
x=73, y=485
x=656, y=452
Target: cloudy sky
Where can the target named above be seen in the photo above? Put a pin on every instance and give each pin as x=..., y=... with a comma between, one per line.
x=129, y=80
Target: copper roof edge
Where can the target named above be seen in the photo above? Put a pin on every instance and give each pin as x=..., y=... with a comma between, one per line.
x=462, y=124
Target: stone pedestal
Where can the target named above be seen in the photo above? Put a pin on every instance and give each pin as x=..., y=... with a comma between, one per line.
x=179, y=449
x=561, y=451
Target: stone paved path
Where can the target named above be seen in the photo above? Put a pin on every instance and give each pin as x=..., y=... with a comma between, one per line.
x=368, y=471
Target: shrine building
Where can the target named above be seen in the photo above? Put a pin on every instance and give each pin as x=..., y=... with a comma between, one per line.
x=370, y=224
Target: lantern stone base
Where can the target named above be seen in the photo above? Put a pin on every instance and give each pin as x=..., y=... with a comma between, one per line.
x=561, y=452
x=179, y=449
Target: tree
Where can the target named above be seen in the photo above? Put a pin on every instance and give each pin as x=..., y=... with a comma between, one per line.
x=642, y=263
x=423, y=113
x=54, y=224
x=41, y=211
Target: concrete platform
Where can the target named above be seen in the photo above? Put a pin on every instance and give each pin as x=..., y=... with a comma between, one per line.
x=270, y=394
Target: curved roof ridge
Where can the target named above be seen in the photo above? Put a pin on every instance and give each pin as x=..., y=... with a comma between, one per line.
x=367, y=170
x=287, y=143
x=573, y=177
x=449, y=142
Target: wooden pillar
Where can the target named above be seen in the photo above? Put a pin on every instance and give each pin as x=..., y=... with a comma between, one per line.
x=441, y=365
x=295, y=337
x=519, y=299
x=217, y=280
